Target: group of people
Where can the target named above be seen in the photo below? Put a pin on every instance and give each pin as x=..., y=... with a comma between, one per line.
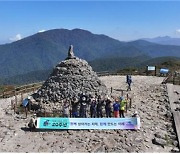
x=94, y=107
x=88, y=106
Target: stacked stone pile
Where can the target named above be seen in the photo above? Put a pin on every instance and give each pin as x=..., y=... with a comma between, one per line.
x=70, y=78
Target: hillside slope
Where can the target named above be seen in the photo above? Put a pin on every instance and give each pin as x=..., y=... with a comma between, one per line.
x=42, y=51
x=107, y=64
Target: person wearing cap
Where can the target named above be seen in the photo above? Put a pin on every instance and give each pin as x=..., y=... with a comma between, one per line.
x=26, y=102
x=122, y=107
x=116, y=107
x=108, y=107
x=83, y=105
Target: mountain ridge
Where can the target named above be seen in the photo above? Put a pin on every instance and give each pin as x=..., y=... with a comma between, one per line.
x=44, y=50
x=164, y=40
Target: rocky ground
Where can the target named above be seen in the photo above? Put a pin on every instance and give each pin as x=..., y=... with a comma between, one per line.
x=149, y=98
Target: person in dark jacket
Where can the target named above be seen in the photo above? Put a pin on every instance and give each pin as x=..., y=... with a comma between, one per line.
x=129, y=81
x=83, y=105
x=108, y=108
x=99, y=107
x=93, y=108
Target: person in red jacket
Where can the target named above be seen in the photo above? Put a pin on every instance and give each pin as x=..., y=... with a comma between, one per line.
x=116, y=107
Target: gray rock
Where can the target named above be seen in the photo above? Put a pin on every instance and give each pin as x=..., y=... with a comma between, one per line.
x=159, y=141
x=175, y=143
x=173, y=137
x=168, y=114
x=159, y=135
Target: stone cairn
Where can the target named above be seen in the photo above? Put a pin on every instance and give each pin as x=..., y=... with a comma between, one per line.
x=68, y=80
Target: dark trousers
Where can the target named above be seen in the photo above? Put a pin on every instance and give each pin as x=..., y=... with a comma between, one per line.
x=83, y=113
x=108, y=113
x=99, y=113
x=93, y=114
x=121, y=113
x=129, y=86
x=74, y=114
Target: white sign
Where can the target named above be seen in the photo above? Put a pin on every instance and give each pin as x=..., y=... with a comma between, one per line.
x=151, y=68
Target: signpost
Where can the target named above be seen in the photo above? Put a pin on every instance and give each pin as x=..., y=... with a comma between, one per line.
x=150, y=68
x=88, y=123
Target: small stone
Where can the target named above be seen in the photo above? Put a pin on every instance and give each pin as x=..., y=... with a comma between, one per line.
x=173, y=137
x=159, y=135
x=158, y=141
x=175, y=143
x=175, y=150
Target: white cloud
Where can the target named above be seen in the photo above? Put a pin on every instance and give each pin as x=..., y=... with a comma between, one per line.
x=41, y=31
x=16, y=38
x=178, y=30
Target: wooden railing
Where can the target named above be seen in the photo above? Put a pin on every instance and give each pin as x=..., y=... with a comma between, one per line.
x=20, y=90
x=171, y=78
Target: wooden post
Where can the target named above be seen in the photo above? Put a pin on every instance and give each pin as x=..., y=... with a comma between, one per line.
x=25, y=111
x=15, y=97
x=121, y=92
x=174, y=79
x=147, y=70
x=44, y=112
x=111, y=90
x=33, y=88
x=21, y=97
x=14, y=108
x=3, y=93
x=12, y=104
x=155, y=71
x=130, y=104
x=30, y=104
x=126, y=107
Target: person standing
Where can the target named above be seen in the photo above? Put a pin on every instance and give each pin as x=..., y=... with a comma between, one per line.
x=99, y=107
x=129, y=81
x=66, y=108
x=74, y=108
x=116, y=107
x=93, y=108
x=33, y=123
x=83, y=105
x=108, y=107
x=122, y=107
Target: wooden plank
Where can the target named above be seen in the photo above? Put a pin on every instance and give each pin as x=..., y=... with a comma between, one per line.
x=170, y=95
x=176, y=116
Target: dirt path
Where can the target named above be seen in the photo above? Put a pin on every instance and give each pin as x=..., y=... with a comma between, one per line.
x=149, y=98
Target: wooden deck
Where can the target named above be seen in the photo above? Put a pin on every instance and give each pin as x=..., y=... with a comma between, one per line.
x=176, y=114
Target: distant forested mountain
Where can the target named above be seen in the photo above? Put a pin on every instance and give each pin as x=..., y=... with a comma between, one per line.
x=165, y=40
x=42, y=51
x=106, y=64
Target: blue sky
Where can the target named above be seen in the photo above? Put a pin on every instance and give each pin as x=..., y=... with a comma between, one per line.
x=122, y=20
